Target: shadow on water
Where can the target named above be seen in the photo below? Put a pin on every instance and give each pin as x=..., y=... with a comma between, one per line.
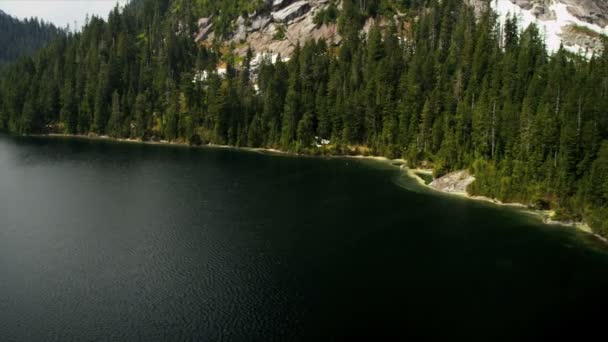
x=100, y=240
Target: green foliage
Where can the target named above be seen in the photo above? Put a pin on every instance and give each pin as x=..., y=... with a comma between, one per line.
x=454, y=94
x=598, y=219
x=24, y=37
x=280, y=34
x=327, y=15
x=224, y=12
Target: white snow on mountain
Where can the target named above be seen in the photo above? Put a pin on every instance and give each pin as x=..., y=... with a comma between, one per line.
x=553, y=26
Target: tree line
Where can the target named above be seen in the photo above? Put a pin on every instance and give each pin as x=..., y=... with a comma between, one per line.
x=23, y=37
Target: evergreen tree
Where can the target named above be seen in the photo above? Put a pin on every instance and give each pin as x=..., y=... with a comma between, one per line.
x=449, y=89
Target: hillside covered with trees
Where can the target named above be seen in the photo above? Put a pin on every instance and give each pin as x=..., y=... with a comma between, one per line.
x=438, y=86
x=23, y=37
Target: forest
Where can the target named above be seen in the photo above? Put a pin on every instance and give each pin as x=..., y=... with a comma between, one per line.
x=440, y=87
x=23, y=37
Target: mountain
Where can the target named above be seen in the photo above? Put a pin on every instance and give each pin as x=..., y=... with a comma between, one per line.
x=437, y=82
x=580, y=25
x=23, y=37
x=275, y=27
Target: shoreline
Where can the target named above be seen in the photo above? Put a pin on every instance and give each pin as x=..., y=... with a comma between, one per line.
x=158, y=143
x=545, y=215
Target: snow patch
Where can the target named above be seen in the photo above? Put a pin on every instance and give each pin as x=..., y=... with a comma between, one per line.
x=551, y=29
x=259, y=58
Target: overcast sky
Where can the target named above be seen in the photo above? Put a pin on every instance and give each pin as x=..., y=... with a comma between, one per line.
x=59, y=12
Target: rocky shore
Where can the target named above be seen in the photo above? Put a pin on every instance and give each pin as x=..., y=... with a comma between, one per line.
x=456, y=183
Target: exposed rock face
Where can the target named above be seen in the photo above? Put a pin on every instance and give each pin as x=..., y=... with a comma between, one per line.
x=204, y=30
x=455, y=182
x=574, y=38
x=558, y=20
x=276, y=4
x=203, y=22
x=283, y=24
x=294, y=19
x=293, y=11
x=592, y=11
x=259, y=23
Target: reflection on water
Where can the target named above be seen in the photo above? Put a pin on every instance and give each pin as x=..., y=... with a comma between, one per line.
x=106, y=241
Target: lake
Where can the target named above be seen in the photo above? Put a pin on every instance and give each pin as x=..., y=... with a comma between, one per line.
x=124, y=242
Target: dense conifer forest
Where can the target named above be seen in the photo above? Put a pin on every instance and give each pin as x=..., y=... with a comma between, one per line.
x=23, y=37
x=439, y=87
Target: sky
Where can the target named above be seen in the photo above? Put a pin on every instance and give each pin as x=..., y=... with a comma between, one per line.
x=59, y=12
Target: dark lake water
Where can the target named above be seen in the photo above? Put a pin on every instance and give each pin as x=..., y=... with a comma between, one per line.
x=102, y=241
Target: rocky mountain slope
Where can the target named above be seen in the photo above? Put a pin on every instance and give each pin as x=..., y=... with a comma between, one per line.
x=277, y=28
x=590, y=11
x=580, y=25
x=281, y=25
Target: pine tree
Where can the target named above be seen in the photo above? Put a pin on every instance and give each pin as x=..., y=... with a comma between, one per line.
x=116, y=117
x=68, y=108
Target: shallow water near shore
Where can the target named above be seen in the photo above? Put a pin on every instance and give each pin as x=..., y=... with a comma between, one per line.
x=108, y=241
